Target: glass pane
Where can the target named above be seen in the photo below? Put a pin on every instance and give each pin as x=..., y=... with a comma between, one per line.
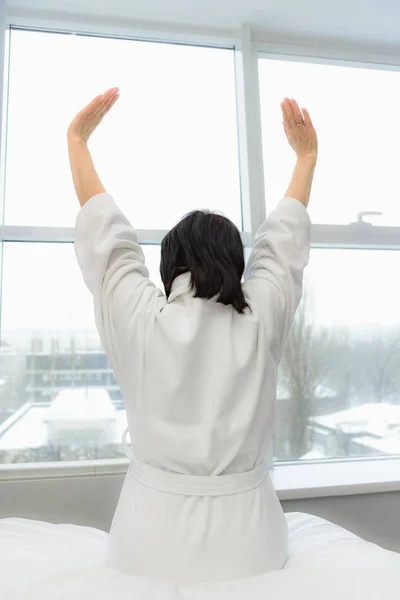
x=58, y=396
x=339, y=379
x=353, y=112
x=169, y=145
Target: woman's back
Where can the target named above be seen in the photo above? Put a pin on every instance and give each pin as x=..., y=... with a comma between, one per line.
x=205, y=405
x=198, y=377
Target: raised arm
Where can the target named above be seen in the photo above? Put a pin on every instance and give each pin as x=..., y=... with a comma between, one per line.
x=86, y=181
x=281, y=245
x=109, y=255
x=303, y=139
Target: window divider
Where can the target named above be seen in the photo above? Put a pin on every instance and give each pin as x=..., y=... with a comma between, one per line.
x=366, y=236
x=249, y=132
x=4, y=71
x=17, y=233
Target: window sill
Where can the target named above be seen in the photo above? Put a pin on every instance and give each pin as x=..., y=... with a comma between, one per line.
x=294, y=481
x=63, y=470
x=291, y=480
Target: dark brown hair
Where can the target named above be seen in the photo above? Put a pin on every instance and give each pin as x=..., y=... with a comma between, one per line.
x=208, y=246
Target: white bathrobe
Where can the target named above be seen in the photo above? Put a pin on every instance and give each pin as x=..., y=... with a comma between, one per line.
x=199, y=384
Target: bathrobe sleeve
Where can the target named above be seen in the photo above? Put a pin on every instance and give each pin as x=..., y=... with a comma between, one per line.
x=274, y=273
x=113, y=267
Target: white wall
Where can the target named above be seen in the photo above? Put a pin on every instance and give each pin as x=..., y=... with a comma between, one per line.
x=92, y=501
x=368, y=24
x=81, y=500
x=374, y=517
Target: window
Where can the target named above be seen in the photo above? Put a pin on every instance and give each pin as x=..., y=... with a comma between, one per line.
x=172, y=146
x=49, y=335
x=344, y=102
x=169, y=148
x=338, y=393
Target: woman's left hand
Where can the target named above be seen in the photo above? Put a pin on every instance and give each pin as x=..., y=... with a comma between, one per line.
x=88, y=118
x=299, y=129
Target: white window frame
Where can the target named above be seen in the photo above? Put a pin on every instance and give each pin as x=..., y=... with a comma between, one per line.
x=358, y=235
x=247, y=52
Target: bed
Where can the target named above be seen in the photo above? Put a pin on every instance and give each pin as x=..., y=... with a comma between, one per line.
x=43, y=561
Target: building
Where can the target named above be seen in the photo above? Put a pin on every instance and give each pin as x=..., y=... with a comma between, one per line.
x=80, y=424
x=367, y=430
x=11, y=379
x=81, y=415
x=50, y=372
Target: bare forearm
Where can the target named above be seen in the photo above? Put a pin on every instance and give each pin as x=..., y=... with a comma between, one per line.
x=301, y=182
x=86, y=181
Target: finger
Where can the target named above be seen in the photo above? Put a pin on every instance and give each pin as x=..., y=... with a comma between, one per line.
x=107, y=100
x=109, y=94
x=111, y=91
x=100, y=100
x=110, y=102
x=290, y=112
x=109, y=105
x=286, y=119
x=307, y=118
x=297, y=112
x=104, y=109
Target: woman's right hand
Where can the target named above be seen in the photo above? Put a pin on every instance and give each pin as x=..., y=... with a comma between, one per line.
x=89, y=117
x=299, y=129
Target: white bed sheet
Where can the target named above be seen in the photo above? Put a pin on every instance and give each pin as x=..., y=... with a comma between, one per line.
x=42, y=561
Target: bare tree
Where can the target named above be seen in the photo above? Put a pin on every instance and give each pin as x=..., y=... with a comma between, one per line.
x=376, y=366
x=359, y=369
x=306, y=362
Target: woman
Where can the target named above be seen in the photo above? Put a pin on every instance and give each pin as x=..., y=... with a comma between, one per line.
x=197, y=368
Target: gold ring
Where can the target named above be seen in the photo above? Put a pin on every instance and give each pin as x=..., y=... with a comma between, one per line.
x=300, y=122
